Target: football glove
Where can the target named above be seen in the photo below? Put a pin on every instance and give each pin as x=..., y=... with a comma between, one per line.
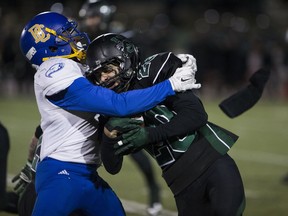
x=116, y=126
x=188, y=61
x=132, y=141
x=184, y=79
x=23, y=178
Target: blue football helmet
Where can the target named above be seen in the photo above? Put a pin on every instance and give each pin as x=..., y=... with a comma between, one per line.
x=50, y=34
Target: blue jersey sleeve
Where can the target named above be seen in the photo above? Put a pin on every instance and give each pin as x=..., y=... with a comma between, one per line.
x=81, y=95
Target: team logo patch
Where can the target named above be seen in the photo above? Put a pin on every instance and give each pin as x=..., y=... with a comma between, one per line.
x=53, y=69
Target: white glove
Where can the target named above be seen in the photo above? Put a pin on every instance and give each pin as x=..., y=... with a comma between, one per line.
x=188, y=61
x=184, y=79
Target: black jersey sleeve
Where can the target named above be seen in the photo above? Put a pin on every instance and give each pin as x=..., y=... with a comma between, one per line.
x=190, y=111
x=190, y=115
x=111, y=162
x=38, y=132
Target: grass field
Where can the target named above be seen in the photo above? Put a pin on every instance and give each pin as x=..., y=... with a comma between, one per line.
x=261, y=154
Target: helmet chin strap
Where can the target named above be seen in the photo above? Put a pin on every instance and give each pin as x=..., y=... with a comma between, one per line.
x=79, y=54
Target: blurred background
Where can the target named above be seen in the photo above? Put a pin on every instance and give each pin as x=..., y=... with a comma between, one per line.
x=230, y=39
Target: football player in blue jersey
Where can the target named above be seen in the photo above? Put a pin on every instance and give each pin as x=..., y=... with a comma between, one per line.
x=70, y=106
x=191, y=151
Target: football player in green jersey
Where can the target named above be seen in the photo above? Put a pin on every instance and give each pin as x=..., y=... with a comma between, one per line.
x=191, y=151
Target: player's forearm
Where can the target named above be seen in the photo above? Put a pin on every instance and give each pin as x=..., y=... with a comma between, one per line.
x=33, y=144
x=190, y=117
x=32, y=148
x=83, y=96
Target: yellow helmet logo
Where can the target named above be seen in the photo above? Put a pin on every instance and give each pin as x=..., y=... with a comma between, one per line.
x=38, y=34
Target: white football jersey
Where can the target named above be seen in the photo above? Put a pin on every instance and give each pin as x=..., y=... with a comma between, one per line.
x=67, y=136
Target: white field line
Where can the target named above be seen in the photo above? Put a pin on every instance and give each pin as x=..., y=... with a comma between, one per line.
x=140, y=209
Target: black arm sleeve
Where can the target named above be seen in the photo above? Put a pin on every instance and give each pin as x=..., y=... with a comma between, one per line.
x=247, y=97
x=111, y=162
x=38, y=132
x=191, y=115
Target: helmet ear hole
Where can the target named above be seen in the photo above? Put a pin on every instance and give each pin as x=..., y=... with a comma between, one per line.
x=53, y=48
x=128, y=73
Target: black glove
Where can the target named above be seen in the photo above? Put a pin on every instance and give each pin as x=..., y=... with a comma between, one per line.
x=23, y=178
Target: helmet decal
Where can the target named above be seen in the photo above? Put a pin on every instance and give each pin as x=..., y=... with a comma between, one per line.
x=124, y=45
x=31, y=52
x=38, y=34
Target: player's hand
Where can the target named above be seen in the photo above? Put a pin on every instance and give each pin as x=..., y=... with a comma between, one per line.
x=116, y=126
x=184, y=79
x=188, y=61
x=132, y=141
x=23, y=178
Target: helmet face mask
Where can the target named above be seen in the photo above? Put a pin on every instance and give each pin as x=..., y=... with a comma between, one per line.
x=71, y=34
x=112, y=75
x=113, y=49
x=50, y=34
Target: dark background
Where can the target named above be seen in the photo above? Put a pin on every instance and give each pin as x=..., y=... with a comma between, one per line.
x=230, y=39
